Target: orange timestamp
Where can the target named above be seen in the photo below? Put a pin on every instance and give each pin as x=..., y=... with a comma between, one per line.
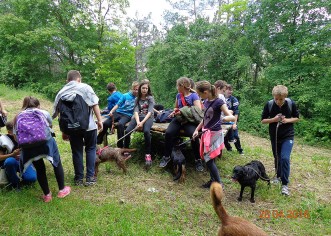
x=287, y=214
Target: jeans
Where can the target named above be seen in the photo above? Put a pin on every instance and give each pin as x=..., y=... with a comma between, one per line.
x=233, y=134
x=122, y=120
x=173, y=131
x=147, y=133
x=284, y=150
x=11, y=166
x=77, y=143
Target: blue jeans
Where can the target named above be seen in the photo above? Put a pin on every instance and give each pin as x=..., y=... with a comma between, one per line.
x=284, y=150
x=11, y=166
x=233, y=134
x=77, y=143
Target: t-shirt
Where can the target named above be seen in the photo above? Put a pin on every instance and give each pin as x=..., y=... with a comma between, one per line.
x=126, y=104
x=188, y=99
x=145, y=106
x=212, y=117
x=285, y=131
x=113, y=99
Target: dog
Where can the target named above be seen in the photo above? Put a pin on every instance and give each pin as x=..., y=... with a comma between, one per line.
x=231, y=226
x=179, y=162
x=112, y=154
x=248, y=175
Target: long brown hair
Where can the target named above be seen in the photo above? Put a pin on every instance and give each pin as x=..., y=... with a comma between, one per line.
x=186, y=83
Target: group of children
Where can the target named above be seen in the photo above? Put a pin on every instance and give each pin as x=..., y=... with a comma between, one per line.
x=137, y=108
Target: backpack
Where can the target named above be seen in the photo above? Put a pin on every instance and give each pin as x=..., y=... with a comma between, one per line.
x=163, y=117
x=289, y=103
x=32, y=128
x=74, y=116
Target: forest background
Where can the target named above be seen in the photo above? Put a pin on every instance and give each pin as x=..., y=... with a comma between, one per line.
x=253, y=45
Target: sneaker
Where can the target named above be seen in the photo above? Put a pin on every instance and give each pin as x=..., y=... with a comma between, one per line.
x=148, y=160
x=90, y=181
x=64, y=192
x=241, y=153
x=231, y=141
x=275, y=180
x=47, y=198
x=164, y=161
x=79, y=182
x=285, y=190
x=207, y=184
x=199, y=166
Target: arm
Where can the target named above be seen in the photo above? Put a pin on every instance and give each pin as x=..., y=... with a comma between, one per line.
x=15, y=153
x=2, y=110
x=113, y=110
x=96, y=110
x=196, y=131
x=197, y=103
x=228, y=116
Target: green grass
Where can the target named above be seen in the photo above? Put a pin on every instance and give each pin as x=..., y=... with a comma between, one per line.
x=122, y=205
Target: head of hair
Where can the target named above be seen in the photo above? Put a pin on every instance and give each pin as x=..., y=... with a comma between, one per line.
x=10, y=125
x=204, y=85
x=149, y=93
x=220, y=84
x=111, y=87
x=73, y=75
x=134, y=84
x=192, y=83
x=30, y=102
x=145, y=81
x=186, y=83
x=280, y=90
x=229, y=87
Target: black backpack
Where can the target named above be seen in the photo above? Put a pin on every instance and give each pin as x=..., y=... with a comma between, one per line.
x=74, y=116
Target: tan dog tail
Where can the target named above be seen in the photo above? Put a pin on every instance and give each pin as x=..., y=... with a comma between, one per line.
x=216, y=193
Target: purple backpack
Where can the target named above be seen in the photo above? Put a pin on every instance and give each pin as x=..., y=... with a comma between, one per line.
x=32, y=128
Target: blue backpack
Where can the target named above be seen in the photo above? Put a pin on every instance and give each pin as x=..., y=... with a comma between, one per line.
x=163, y=116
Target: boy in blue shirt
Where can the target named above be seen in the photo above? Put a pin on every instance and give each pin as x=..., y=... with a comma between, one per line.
x=122, y=113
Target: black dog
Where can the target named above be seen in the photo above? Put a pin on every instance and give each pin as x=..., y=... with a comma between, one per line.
x=248, y=175
x=179, y=161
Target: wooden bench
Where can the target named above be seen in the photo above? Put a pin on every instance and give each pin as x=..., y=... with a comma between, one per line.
x=160, y=128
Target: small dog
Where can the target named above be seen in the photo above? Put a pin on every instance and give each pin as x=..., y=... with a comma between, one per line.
x=231, y=225
x=112, y=154
x=179, y=162
x=248, y=175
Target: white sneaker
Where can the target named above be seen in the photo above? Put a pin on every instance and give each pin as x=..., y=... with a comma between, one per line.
x=285, y=190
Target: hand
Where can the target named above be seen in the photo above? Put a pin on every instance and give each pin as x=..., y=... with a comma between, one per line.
x=100, y=126
x=110, y=113
x=65, y=137
x=195, y=134
x=140, y=124
x=234, y=126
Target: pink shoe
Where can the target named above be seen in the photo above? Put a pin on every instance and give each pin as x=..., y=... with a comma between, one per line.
x=64, y=192
x=148, y=160
x=47, y=198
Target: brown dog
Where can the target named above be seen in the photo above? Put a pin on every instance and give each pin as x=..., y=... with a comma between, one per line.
x=231, y=225
x=112, y=154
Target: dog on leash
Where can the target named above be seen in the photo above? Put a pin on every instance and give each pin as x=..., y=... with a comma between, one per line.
x=231, y=226
x=248, y=175
x=112, y=154
x=179, y=161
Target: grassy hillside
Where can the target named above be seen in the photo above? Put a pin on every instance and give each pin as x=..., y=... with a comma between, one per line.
x=125, y=205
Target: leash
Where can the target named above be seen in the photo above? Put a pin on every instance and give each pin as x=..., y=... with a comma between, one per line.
x=125, y=135
x=276, y=144
x=257, y=173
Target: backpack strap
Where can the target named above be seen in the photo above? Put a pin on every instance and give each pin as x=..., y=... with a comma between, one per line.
x=183, y=100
